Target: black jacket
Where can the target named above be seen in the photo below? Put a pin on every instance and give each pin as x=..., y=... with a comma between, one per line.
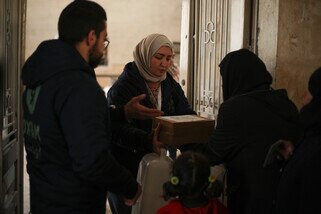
x=247, y=126
x=66, y=134
x=251, y=118
x=300, y=186
x=133, y=139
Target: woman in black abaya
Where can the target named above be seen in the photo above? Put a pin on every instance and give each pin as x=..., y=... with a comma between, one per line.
x=252, y=117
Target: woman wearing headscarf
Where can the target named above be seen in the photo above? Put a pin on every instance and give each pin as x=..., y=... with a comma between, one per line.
x=147, y=74
x=300, y=186
x=252, y=117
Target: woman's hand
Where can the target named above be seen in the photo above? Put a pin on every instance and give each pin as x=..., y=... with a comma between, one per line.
x=285, y=150
x=133, y=109
x=132, y=201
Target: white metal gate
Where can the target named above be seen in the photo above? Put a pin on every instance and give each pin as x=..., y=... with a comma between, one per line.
x=210, y=46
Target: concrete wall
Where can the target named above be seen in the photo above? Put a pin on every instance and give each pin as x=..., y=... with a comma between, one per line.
x=268, y=16
x=131, y=20
x=41, y=22
x=236, y=40
x=299, y=45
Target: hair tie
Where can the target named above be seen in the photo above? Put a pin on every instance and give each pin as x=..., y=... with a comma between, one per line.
x=211, y=178
x=174, y=180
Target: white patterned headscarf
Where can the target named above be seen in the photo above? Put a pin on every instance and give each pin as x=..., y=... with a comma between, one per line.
x=144, y=52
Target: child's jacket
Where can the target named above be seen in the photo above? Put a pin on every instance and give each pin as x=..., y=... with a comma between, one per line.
x=175, y=207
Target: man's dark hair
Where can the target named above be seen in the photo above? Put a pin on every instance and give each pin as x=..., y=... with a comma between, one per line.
x=78, y=19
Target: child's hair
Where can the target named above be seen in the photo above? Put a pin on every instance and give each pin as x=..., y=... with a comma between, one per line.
x=191, y=177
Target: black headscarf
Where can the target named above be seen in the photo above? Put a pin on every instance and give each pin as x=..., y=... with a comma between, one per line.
x=315, y=84
x=311, y=113
x=242, y=72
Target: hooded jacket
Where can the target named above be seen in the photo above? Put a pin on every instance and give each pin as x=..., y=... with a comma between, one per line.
x=132, y=140
x=66, y=134
x=252, y=117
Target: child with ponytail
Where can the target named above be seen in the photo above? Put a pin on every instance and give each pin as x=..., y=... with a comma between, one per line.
x=192, y=189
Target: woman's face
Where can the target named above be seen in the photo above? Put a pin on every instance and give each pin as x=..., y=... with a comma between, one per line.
x=161, y=61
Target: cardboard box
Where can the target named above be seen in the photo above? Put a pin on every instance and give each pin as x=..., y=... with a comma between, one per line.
x=183, y=129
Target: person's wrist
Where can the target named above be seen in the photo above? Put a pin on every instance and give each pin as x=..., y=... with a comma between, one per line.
x=119, y=111
x=132, y=190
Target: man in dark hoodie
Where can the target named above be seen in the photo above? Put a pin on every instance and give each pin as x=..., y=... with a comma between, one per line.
x=252, y=117
x=66, y=121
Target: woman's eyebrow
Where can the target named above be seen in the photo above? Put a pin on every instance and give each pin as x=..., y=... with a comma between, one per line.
x=160, y=54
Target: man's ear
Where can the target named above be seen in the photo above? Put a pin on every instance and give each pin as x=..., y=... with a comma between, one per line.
x=91, y=38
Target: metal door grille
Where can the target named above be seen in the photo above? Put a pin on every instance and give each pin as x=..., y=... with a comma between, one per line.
x=210, y=46
x=10, y=65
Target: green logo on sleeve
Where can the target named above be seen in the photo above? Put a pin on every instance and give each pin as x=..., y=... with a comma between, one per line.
x=32, y=96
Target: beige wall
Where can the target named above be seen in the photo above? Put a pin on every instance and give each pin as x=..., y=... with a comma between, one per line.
x=299, y=45
x=128, y=22
x=267, y=34
x=131, y=20
x=41, y=22
x=236, y=28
